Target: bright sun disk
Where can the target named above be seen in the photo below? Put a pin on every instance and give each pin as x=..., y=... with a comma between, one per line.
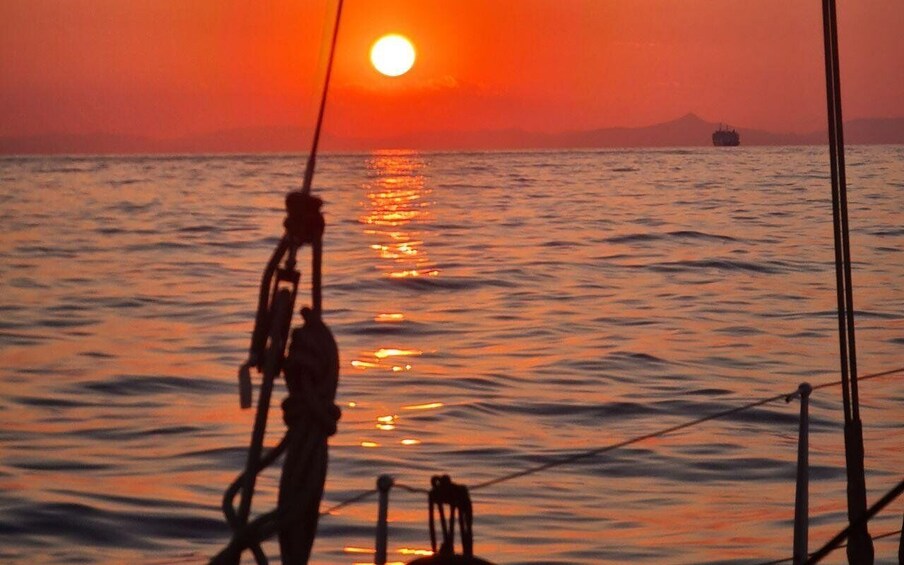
x=392, y=55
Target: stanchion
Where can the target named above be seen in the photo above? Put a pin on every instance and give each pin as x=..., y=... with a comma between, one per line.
x=801, y=493
x=384, y=483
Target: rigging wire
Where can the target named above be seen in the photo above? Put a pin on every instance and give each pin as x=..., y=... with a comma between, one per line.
x=600, y=450
x=791, y=559
x=312, y=156
x=411, y=489
x=348, y=502
x=860, y=547
x=847, y=351
x=813, y=558
x=860, y=524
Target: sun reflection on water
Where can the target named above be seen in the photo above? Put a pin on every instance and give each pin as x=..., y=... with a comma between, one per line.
x=389, y=317
x=396, y=211
x=398, y=201
x=386, y=423
x=427, y=406
x=383, y=353
x=404, y=551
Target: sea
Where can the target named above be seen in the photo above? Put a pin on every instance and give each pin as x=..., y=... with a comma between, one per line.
x=496, y=312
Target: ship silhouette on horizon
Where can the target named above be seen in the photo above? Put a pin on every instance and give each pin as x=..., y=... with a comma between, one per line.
x=726, y=137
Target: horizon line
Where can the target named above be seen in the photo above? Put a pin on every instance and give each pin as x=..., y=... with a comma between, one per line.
x=105, y=143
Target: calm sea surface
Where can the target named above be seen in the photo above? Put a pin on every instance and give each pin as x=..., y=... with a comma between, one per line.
x=494, y=311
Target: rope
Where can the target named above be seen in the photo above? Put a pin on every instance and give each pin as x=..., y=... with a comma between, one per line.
x=280, y=315
x=412, y=490
x=349, y=502
x=367, y=494
x=229, y=496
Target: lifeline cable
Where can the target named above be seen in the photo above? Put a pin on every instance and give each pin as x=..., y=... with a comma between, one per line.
x=312, y=157
x=666, y=431
x=598, y=451
x=612, y=447
x=349, y=502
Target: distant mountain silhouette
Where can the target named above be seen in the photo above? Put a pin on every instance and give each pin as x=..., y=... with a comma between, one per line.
x=87, y=144
x=687, y=131
x=874, y=131
x=277, y=139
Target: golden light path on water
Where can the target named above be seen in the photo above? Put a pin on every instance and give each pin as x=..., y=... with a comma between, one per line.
x=397, y=201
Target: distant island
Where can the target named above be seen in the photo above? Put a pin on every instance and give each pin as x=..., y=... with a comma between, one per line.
x=687, y=131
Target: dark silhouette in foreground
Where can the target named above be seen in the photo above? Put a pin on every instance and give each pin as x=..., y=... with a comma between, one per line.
x=312, y=375
x=311, y=370
x=454, y=498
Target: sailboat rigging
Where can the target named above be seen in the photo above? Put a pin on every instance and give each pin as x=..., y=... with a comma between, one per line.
x=311, y=369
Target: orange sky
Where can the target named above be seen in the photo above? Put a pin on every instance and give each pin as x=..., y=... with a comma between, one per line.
x=168, y=68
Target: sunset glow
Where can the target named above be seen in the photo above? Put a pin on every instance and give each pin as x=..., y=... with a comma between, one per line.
x=159, y=70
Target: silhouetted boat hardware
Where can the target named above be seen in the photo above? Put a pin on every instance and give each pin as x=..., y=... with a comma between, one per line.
x=446, y=495
x=725, y=137
x=311, y=371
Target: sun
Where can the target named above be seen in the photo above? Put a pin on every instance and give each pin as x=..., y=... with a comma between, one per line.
x=392, y=55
